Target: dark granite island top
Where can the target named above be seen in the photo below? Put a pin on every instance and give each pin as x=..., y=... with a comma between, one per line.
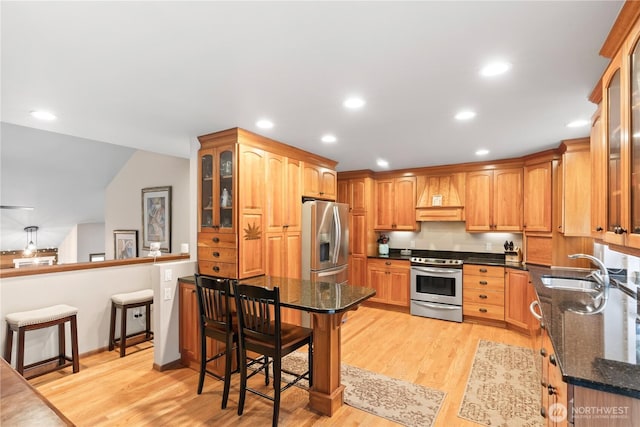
x=599, y=351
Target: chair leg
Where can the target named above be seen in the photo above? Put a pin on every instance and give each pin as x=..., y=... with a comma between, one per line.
x=20, y=352
x=123, y=329
x=277, y=372
x=112, y=327
x=62, y=346
x=8, y=345
x=266, y=370
x=74, y=344
x=203, y=361
x=243, y=380
x=148, y=321
x=227, y=370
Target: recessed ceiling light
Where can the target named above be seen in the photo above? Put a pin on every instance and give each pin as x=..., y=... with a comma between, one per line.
x=264, y=124
x=382, y=163
x=354, y=103
x=482, y=152
x=495, y=69
x=465, y=115
x=43, y=115
x=578, y=123
x=329, y=139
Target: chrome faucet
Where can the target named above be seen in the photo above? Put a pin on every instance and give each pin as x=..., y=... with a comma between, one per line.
x=602, y=276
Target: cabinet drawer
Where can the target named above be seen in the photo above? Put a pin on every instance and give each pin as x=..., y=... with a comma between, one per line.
x=482, y=297
x=216, y=240
x=485, y=311
x=388, y=263
x=483, y=270
x=217, y=254
x=483, y=283
x=221, y=269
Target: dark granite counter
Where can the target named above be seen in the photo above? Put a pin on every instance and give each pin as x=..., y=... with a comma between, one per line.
x=480, y=258
x=316, y=297
x=599, y=351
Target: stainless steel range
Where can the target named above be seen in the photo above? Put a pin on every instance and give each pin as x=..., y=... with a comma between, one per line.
x=436, y=288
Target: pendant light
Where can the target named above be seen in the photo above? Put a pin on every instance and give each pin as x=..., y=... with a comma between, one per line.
x=32, y=248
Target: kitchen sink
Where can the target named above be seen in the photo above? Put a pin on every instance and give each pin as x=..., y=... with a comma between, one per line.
x=571, y=284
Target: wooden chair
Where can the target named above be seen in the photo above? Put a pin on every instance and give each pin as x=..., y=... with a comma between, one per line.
x=218, y=321
x=262, y=331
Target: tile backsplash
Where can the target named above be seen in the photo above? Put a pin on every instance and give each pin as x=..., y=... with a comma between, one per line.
x=451, y=236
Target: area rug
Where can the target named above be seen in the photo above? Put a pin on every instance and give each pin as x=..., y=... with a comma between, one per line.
x=396, y=400
x=503, y=388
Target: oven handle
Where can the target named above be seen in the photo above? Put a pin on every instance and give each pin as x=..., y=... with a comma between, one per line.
x=435, y=270
x=437, y=306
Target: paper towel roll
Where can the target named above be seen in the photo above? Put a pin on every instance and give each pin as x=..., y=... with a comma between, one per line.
x=184, y=248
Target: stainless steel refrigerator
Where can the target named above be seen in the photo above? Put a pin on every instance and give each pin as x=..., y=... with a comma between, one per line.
x=325, y=241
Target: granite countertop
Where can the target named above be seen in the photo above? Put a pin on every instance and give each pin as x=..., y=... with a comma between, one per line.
x=599, y=351
x=313, y=296
x=479, y=258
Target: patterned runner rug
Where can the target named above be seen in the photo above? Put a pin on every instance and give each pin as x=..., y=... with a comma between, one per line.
x=503, y=388
x=396, y=400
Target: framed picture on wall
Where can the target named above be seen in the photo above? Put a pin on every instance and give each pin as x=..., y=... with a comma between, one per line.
x=125, y=244
x=156, y=218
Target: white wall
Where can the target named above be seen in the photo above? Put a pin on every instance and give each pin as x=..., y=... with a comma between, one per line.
x=90, y=291
x=90, y=240
x=451, y=236
x=123, y=204
x=68, y=249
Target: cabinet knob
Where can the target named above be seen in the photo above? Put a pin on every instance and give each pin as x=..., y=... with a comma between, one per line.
x=482, y=296
x=321, y=193
x=482, y=310
x=483, y=270
x=483, y=282
x=216, y=268
x=543, y=412
x=216, y=254
x=552, y=390
x=552, y=360
x=619, y=230
x=387, y=263
x=543, y=352
x=216, y=240
x=598, y=228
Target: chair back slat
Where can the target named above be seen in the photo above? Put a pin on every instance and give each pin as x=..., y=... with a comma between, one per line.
x=213, y=301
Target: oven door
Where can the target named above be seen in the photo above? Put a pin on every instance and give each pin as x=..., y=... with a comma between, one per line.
x=442, y=285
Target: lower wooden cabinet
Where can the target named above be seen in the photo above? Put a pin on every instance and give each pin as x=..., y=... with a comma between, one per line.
x=517, y=298
x=390, y=279
x=483, y=293
x=190, y=332
x=553, y=390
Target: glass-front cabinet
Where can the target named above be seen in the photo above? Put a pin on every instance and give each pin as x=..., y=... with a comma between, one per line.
x=614, y=176
x=217, y=189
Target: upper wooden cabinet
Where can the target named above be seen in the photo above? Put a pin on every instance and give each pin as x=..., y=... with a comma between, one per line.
x=216, y=189
x=440, y=197
x=395, y=204
x=494, y=200
x=575, y=174
x=537, y=197
x=319, y=182
x=598, y=176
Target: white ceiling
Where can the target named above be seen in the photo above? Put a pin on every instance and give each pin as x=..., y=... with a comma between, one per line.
x=154, y=75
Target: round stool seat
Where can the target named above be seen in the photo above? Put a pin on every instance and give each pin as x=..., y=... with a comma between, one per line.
x=41, y=315
x=133, y=297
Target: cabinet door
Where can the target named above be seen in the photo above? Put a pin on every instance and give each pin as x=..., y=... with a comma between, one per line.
x=517, y=299
x=293, y=196
x=507, y=199
x=358, y=270
x=293, y=260
x=358, y=194
x=479, y=201
x=383, y=218
x=251, y=182
x=405, y=204
x=319, y=182
x=206, y=190
x=251, y=246
x=398, y=293
x=358, y=235
x=225, y=195
x=537, y=197
x=275, y=254
x=576, y=192
x=275, y=193
x=378, y=280
x=343, y=192
x=189, y=335
x=634, y=146
x=328, y=179
x=598, y=177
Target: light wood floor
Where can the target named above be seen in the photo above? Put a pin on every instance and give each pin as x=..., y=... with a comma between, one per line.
x=110, y=391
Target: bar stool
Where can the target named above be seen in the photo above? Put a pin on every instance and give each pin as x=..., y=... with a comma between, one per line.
x=125, y=302
x=38, y=319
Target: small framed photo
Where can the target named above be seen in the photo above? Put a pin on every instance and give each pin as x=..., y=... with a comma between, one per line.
x=125, y=244
x=156, y=218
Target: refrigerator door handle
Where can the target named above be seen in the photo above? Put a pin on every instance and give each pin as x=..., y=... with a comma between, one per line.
x=336, y=244
x=331, y=272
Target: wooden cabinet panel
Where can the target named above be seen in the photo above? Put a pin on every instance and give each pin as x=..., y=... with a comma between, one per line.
x=484, y=311
x=293, y=195
x=494, y=200
x=537, y=197
x=444, y=190
x=293, y=247
x=358, y=230
x=358, y=270
x=480, y=296
x=390, y=279
x=487, y=281
x=598, y=177
x=275, y=192
x=395, y=204
x=328, y=184
x=189, y=336
x=483, y=270
x=319, y=182
x=517, y=299
x=251, y=170
x=217, y=254
x=576, y=189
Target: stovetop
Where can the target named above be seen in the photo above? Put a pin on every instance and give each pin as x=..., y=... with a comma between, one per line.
x=436, y=261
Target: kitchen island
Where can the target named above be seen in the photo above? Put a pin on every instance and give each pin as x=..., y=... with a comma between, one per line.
x=327, y=303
